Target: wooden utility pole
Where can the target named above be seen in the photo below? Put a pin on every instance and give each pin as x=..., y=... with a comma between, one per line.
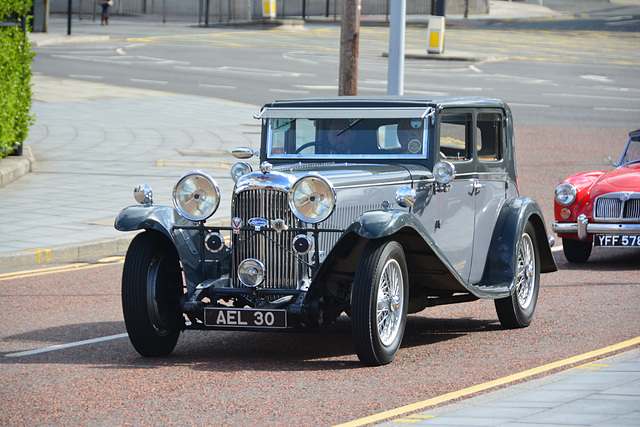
x=349, y=42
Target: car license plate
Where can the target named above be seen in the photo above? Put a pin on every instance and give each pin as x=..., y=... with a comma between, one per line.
x=616, y=240
x=245, y=318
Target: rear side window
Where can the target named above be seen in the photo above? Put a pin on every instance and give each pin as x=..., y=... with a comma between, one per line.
x=489, y=136
x=455, y=136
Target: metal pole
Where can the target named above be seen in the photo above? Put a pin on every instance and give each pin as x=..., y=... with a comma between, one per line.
x=69, y=18
x=395, y=76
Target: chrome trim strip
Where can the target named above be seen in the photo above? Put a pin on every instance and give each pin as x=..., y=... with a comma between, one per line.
x=572, y=228
x=346, y=112
x=380, y=184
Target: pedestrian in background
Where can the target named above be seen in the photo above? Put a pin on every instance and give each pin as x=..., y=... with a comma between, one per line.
x=106, y=5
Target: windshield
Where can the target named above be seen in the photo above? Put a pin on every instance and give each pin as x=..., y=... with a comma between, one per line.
x=342, y=137
x=632, y=153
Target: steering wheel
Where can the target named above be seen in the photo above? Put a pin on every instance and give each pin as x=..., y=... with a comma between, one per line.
x=318, y=144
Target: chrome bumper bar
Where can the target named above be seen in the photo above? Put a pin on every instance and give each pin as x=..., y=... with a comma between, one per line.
x=583, y=228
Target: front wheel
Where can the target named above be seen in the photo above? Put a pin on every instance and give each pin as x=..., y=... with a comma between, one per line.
x=379, y=302
x=516, y=311
x=151, y=292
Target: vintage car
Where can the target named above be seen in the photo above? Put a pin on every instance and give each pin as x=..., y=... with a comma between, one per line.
x=373, y=207
x=600, y=208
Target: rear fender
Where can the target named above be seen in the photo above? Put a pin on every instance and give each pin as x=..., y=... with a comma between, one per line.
x=500, y=268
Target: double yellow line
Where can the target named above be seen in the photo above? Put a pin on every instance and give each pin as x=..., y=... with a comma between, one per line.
x=62, y=269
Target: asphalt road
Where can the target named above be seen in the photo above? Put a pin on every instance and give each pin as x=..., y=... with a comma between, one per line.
x=245, y=378
x=551, y=78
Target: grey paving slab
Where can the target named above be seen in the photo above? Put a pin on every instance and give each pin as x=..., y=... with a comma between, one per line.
x=603, y=393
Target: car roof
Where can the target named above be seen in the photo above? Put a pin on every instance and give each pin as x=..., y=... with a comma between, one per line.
x=634, y=133
x=387, y=101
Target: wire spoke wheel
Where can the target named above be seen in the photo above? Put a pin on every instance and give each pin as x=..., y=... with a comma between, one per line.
x=379, y=301
x=390, y=301
x=516, y=310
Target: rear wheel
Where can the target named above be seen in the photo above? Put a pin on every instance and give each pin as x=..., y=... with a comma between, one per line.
x=516, y=311
x=379, y=302
x=151, y=291
x=576, y=251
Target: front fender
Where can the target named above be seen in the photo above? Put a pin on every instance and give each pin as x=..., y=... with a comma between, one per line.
x=501, y=265
x=160, y=218
x=163, y=219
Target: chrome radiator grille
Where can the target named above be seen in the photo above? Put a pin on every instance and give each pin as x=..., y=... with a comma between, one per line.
x=271, y=248
x=618, y=206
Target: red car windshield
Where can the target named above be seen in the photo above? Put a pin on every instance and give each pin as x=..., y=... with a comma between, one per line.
x=632, y=154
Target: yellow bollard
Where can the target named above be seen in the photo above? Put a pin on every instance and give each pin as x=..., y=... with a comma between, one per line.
x=435, y=34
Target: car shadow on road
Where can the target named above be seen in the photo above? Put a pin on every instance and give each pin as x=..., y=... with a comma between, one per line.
x=228, y=351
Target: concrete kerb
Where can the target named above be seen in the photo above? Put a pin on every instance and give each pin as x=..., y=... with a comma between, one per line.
x=70, y=253
x=13, y=168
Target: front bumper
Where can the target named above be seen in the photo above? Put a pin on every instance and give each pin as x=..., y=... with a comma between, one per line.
x=583, y=228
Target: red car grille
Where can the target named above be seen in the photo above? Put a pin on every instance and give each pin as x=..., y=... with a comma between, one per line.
x=617, y=207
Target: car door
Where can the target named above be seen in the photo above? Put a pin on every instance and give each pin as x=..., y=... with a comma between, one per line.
x=453, y=208
x=490, y=183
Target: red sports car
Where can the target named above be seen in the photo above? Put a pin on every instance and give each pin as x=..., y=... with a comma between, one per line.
x=600, y=208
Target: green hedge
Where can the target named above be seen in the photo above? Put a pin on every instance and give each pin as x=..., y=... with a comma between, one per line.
x=15, y=77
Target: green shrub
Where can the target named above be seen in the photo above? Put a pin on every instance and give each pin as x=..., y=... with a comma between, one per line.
x=15, y=77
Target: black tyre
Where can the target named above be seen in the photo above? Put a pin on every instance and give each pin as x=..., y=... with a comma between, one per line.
x=576, y=251
x=151, y=291
x=516, y=311
x=379, y=301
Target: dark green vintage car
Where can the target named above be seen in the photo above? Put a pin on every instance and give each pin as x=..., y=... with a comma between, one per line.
x=375, y=207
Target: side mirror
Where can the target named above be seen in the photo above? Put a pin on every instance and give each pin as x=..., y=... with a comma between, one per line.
x=607, y=161
x=243, y=153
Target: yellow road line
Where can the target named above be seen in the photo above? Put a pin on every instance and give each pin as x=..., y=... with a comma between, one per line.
x=39, y=252
x=61, y=269
x=398, y=412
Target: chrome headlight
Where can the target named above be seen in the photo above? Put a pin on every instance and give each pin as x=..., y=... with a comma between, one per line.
x=565, y=194
x=239, y=169
x=443, y=172
x=312, y=199
x=196, y=196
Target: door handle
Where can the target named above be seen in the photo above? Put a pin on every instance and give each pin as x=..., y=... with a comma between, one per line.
x=477, y=186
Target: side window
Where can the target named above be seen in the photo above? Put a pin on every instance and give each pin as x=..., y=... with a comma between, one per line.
x=455, y=131
x=489, y=136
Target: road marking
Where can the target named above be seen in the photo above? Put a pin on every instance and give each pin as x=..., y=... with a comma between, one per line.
x=529, y=105
x=288, y=91
x=160, y=82
x=596, y=78
x=81, y=76
x=216, y=86
x=39, y=252
x=61, y=269
x=593, y=366
x=577, y=95
x=626, y=110
x=465, y=392
x=316, y=87
x=64, y=346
